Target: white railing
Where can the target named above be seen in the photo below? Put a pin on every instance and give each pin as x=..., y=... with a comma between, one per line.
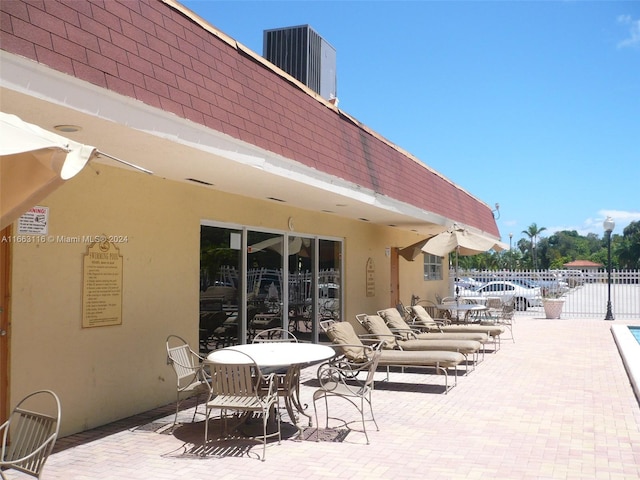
x=585, y=293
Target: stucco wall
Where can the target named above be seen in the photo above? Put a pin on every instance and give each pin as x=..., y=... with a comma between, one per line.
x=106, y=373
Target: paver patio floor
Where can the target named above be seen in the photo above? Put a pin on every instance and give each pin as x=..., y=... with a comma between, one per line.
x=556, y=404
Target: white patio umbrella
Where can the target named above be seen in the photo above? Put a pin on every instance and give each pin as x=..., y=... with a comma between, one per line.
x=33, y=163
x=276, y=244
x=463, y=242
x=412, y=251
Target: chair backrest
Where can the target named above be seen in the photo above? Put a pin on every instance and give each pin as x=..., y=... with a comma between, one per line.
x=421, y=317
x=372, y=367
x=393, y=318
x=337, y=370
x=239, y=379
x=396, y=321
x=494, y=303
x=344, y=336
x=275, y=335
x=185, y=362
x=507, y=312
x=33, y=433
x=375, y=325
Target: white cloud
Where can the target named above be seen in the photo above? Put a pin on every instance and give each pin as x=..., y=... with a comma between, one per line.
x=634, y=31
x=622, y=219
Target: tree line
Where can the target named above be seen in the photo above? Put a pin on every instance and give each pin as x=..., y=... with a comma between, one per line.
x=553, y=251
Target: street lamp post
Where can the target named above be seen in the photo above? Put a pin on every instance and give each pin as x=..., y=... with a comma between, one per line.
x=609, y=225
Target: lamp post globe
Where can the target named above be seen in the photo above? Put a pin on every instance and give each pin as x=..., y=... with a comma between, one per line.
x=609, y=225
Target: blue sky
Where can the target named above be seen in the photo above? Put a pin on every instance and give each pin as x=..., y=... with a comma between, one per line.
x=534, y=105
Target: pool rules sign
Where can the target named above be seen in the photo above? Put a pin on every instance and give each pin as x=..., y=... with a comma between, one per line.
x=102, y=285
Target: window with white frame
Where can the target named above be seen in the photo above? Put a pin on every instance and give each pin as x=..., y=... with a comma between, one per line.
x=432, y=267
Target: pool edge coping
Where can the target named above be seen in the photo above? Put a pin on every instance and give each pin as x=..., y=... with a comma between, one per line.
x=629, y=349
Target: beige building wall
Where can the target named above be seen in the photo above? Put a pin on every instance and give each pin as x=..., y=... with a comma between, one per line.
x=106, y=373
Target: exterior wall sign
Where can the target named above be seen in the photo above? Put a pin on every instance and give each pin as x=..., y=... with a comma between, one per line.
x=371, y=278
x=102, y=285
x=34, y=222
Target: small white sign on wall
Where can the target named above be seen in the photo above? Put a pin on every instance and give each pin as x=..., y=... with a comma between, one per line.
x=34, y=222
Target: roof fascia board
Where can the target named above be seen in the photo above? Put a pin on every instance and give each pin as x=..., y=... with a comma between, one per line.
x=44, y=83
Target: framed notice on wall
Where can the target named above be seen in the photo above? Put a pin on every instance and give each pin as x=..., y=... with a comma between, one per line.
x=371, y=278
x=102, y=285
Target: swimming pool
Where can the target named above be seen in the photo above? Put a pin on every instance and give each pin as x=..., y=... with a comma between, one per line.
x=628, y=340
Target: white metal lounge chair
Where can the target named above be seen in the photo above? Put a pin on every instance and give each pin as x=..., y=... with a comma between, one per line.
x=343, y=336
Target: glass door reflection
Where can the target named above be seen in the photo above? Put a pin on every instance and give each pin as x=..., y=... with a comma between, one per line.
x=302, y=282
x=220, y=287
x=264, y=281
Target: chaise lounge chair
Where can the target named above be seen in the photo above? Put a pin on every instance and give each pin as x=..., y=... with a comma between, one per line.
x=398, y=324
x=407, y=339
x=343, y=336
x=421, y=319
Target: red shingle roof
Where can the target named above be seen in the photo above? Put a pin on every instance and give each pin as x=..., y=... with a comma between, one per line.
x=583, y=264
x=161, y=54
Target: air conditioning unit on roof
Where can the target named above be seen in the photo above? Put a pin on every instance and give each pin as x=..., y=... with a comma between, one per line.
x=304, y=55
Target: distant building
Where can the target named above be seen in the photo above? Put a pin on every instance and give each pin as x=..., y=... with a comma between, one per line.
x=583, y=265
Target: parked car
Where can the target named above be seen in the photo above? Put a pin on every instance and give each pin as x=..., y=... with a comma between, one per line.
x=468, y=283
x=525, y=282
x=551, y=285
x=523, y=297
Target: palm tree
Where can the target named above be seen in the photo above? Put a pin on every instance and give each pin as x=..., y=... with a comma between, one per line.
x=532, y=232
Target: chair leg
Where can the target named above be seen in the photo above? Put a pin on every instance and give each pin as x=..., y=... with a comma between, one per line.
x=315, y=411
x=175, y=418
x=195, y=410
x=364, y=426
x=373, y=417
x=206, y=431
x=265, y=420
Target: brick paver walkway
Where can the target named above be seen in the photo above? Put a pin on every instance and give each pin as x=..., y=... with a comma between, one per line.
x=556, y=404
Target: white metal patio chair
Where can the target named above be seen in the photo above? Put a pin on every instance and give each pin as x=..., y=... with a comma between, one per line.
x=353, y=381
x=507, y=319
x=287, y=379
x=494, y=307
x=242, y=387
x=191, y=377
x=30, y=433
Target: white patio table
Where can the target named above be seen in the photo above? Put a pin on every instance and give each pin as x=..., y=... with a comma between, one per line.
x=469, y=309
x=278, y=355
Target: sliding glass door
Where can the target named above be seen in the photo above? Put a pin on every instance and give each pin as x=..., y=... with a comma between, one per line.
x=254, y=280
x=264, y=287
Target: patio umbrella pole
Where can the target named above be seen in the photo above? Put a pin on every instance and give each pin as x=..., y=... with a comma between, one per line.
x=102, y=154
x=457, y=287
